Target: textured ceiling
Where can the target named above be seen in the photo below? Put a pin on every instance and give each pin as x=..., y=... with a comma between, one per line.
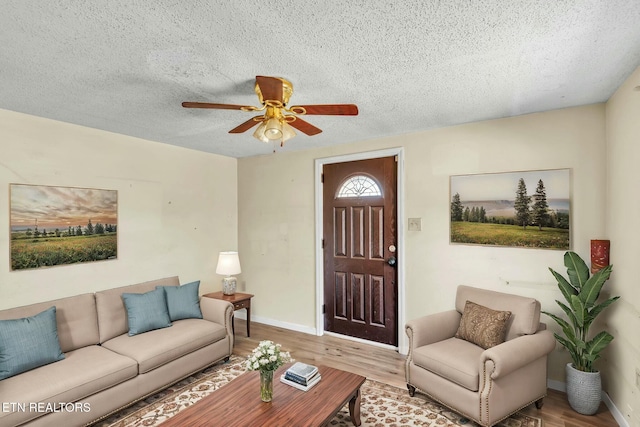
x=126, y=65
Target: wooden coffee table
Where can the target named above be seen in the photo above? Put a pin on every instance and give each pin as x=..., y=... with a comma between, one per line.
x=238, y=403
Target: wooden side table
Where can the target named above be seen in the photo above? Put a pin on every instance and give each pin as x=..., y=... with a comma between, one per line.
x=239, y=301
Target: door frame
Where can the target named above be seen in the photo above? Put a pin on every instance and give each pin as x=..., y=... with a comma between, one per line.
x=319, y=163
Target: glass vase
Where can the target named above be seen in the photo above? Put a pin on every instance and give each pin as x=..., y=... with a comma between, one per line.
x=266, y=385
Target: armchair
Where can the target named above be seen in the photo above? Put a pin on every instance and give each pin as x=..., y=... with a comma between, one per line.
x=488, y=384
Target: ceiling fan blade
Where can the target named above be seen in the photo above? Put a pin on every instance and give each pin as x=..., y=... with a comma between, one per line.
x=327, y=109
x=216, y=106
x=270, y=87
x=304, y=127
x=246, y=125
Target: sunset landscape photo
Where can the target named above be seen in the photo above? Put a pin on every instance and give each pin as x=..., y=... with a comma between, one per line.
x=61, y=225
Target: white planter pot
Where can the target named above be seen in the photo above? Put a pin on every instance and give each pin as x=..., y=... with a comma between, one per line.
x=584, y=390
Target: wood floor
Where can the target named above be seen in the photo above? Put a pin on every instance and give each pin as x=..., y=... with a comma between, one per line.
x=388, y=366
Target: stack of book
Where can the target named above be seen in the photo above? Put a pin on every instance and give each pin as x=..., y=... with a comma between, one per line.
x=301, y=376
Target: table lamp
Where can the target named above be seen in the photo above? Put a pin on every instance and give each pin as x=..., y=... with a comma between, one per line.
x=228, y=264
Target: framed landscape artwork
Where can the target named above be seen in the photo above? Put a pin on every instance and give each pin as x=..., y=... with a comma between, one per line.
x=61, y=225
x=516, y=209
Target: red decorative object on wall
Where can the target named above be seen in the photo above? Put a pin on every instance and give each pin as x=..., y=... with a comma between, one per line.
x=599, y=254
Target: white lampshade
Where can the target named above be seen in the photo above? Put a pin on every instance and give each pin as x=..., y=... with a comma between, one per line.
x=228, y=263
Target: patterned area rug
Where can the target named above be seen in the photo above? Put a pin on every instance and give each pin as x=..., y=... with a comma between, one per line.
x=381, y=404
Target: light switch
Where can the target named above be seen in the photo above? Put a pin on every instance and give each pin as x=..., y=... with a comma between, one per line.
x=415, y=224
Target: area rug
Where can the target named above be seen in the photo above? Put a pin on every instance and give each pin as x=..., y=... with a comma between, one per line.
x=381, y=404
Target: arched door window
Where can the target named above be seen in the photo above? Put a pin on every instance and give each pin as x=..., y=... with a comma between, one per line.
x=359, y=186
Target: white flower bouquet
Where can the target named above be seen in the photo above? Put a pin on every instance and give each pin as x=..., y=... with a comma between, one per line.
x=267, y=357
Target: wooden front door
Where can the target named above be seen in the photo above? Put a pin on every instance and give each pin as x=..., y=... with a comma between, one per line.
x=359, y=241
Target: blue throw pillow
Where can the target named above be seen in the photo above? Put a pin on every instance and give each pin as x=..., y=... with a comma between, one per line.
x=28, y=343
x=147, y=311
x=183, y=301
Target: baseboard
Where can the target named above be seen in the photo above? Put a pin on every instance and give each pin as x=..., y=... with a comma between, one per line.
x=306, y=329
x=617, y=415
x=277, y=323
x=557, y=385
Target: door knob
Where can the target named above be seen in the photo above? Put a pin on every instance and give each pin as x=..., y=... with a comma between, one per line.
x=391, y=261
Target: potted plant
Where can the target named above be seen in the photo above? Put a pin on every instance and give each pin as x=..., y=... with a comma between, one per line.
x=581, y=293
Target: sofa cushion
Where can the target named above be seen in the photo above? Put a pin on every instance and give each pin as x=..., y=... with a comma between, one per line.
x=525, y=311
x=155, y=348
x=183, y=301
x=147, y=311
x=75, y=316
x=28, y=343
x=482, y=326
x=463, y=369
x=82, y=373
x=112, y=316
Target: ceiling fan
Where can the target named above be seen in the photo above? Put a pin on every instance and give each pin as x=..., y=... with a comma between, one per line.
x=278, y=120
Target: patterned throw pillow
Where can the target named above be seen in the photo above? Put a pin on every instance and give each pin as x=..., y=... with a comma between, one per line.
x=483, y=326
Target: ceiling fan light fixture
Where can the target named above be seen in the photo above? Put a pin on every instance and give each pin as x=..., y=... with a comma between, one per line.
x=259, y=133
x=287, y=132
x=273, y=129
x=275, y=124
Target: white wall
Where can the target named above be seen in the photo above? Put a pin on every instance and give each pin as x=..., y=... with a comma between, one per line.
x=621, y=369
x=276, y=213
x=177, y=208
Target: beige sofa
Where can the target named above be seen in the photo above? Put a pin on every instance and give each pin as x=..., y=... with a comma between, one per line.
x=104, y=368
x=483, y=384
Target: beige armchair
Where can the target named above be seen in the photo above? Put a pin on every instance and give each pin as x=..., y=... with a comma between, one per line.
x=447, y=362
